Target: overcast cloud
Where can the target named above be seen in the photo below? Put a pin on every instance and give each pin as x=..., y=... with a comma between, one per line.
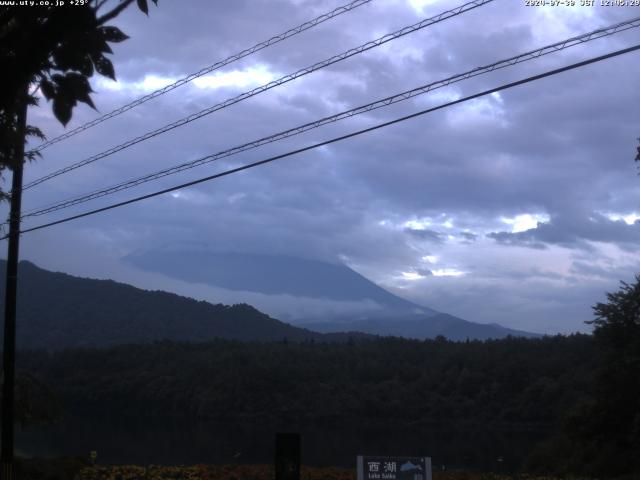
x=519, y=208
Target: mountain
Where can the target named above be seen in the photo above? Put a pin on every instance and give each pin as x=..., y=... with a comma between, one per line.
x=317, y=295
x=273, y=275
x=56, y=310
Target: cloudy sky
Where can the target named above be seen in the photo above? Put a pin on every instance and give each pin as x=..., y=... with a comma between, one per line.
x=519, y=208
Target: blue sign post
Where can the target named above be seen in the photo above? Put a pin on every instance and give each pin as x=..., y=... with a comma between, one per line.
x=394, y=468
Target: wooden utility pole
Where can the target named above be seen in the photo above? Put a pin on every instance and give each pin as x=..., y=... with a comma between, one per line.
x=11, y=288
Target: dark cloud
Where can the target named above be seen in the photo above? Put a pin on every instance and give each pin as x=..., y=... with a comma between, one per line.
x=470, y=237
x=573, y=232
x=428, y=235
x=425, y=272
x=561, y=147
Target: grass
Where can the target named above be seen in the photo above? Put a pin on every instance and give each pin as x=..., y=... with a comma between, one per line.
x=256, y=472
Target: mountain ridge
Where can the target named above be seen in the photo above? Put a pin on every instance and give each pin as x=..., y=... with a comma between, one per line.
x=380, y=311
x=57, y=310
x=271, y=275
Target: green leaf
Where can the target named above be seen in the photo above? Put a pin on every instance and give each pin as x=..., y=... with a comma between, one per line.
x=104, y=47
x=71, y=88
x=77, y=87
x=86, y=67
x=142, y=5
x=113, y=34
x=104, y=67
x=66, y=58
x=62, y=109
x=47, y=88
x=31, y=131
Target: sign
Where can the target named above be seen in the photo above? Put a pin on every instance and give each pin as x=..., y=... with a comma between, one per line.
x=394, y=468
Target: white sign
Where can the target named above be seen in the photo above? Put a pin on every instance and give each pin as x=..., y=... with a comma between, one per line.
x=393, y=468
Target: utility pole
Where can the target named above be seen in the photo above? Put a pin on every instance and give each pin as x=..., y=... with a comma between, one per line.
x=11, y=288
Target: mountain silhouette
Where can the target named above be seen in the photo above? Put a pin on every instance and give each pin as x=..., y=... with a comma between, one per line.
x=300, y=282
x=56, y=310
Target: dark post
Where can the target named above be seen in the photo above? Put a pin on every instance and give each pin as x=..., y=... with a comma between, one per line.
x=9, y=351
x=287, y=456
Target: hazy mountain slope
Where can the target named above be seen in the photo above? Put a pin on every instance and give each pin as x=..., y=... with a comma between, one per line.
x=303, y=279
x=271, y=274
x=57, y=310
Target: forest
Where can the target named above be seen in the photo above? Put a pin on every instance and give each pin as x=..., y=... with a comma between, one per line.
x=513, y=381
x=537, y=385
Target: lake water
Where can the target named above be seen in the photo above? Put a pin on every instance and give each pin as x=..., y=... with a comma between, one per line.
x=174, y=441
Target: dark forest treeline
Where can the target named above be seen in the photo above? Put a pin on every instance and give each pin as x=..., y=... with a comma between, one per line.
x=502, y=383
x=552, y=386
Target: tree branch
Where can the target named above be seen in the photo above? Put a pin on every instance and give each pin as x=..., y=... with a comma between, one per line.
x=99, y=4
x=114, y=13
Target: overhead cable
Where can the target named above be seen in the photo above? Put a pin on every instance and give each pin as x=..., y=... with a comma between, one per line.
x=275, y=83
x=206, y=70
x=520, y=58
x=336, y=139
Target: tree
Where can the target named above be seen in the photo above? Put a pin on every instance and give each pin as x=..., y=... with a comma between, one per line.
x=35, y=403
x=610, y=427
x=617, y=333
x=55, y=49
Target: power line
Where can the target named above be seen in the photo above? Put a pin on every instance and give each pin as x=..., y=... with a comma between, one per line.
x=530, y=55
x=216, y=66
x=337, y=139
x=275, y=83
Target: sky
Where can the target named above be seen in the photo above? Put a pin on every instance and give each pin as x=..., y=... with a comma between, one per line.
x=520, y=207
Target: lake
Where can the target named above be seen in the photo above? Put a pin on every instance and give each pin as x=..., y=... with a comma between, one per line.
x=174, y=441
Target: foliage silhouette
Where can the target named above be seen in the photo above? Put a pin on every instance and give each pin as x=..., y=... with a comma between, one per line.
x=601, y=434
x=509, y=383
x=613, y=427
x=35, y=403
x=56, y=49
